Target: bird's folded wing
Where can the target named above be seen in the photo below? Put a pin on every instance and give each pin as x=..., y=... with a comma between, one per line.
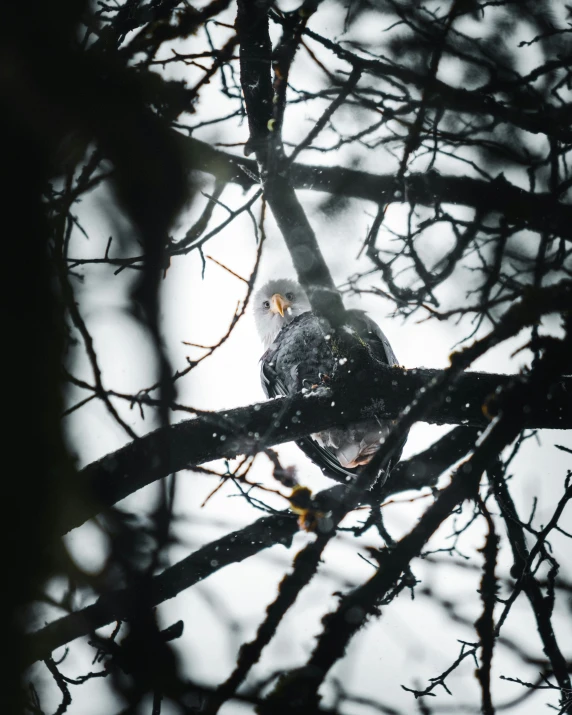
x=370, y=332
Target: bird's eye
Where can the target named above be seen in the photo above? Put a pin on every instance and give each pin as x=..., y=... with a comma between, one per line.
x=266, y=304
x=290, y=296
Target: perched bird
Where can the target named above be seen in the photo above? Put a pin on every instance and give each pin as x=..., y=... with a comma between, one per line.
x=299, y=354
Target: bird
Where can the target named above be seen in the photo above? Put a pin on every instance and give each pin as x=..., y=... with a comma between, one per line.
x=299, y=355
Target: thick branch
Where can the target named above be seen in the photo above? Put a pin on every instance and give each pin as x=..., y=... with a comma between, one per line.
x=246, y=430
x=421, y=470
x=255, y=62
x=114, y=606
x=536, y=211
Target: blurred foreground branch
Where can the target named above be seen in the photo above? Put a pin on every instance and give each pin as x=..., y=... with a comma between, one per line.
x=421, y=470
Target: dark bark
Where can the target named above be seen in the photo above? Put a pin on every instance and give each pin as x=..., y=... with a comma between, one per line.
x=536, y=211
x=521, y=111
x=522, y=570
x=421, y=470
x=249, y=429
x=357, y=606
x=255, y=62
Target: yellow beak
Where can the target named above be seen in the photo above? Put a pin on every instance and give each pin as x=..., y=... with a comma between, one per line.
x=278, y=304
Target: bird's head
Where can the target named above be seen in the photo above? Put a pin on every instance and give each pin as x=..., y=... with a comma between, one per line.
x=276, y=304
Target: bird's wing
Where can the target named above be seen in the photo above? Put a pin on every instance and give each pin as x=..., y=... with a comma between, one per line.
x=271, y=382
x=370, y=332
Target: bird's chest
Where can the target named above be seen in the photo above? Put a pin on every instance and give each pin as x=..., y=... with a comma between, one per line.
x=303, y=355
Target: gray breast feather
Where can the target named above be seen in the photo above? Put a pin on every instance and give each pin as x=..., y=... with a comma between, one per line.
x=299, y=353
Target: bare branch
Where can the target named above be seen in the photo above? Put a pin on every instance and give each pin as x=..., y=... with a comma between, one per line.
x=524, y=209
x=422, y=470
x=246, y=430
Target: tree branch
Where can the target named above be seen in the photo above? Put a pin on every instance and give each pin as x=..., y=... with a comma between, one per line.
x=421, y=470
x=300, y=688
x=536, y=211
x=255, y=62
x=246, y=430
x=552, y=121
